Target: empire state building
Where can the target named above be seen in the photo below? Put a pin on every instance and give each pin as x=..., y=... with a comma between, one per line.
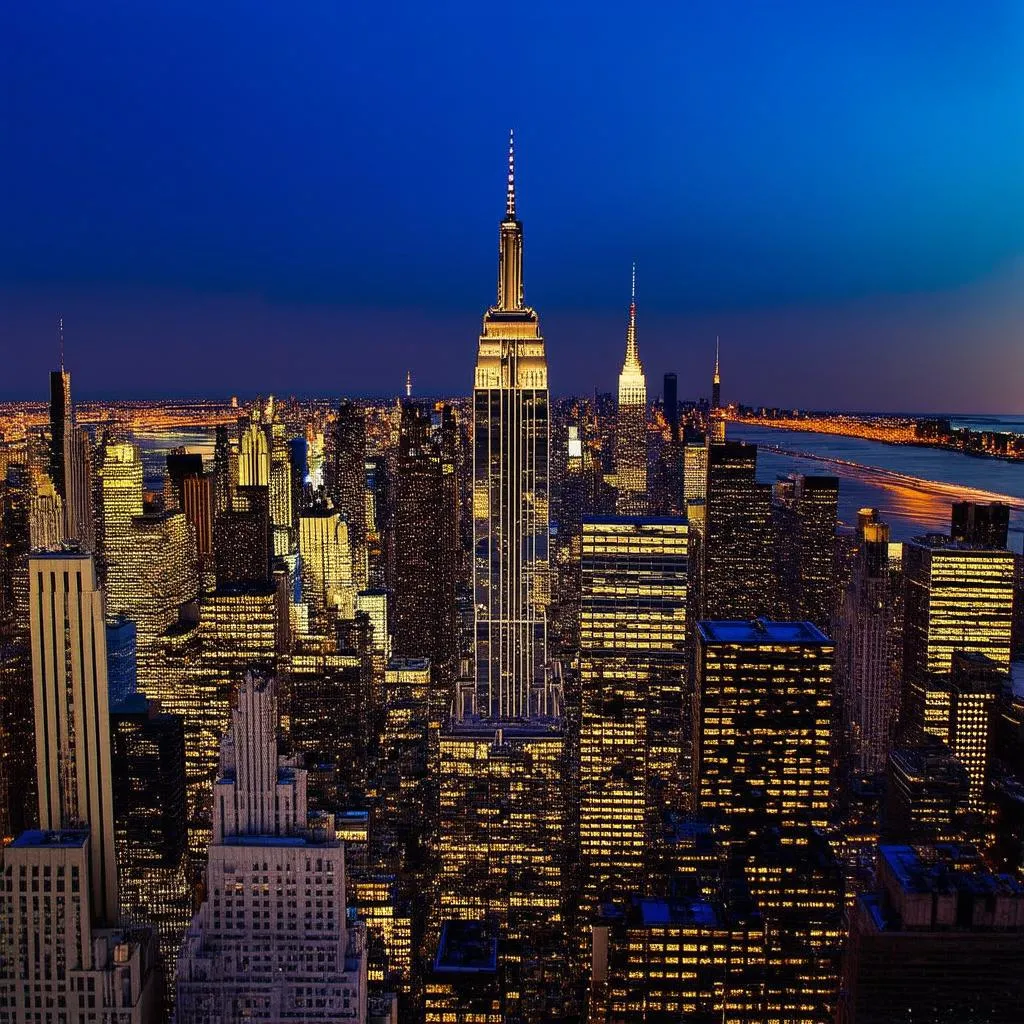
x=511, y=440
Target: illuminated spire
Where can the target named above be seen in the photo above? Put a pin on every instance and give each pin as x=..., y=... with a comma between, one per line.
x=408, y=383
x=718, y=377
x=632, y=352
x=510, y=193
x=60, y=340
x=716, y=382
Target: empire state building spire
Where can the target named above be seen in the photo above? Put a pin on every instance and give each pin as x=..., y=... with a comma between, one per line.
x=510, y=246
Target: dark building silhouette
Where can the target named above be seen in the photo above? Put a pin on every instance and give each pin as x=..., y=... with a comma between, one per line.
x=736, y=580
x=346, y=483
x=671, y=400
x=426, y=537
x=979, y=523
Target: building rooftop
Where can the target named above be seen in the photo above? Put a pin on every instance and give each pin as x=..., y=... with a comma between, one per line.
x=760, y=631
x=466, y=947
x=408, y=664
x=635, y=521
x=68, y=839
x=943, y=542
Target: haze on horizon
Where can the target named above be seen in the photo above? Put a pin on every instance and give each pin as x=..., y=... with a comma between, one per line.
x=241, y=198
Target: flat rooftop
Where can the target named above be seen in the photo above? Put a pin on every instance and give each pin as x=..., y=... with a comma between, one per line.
x=634, y=521
x=466, y=947
x=67, y=839
x=759, y=631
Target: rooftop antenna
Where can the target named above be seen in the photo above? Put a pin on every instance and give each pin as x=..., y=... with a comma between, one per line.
x=60, y=340
x=408, y=383
x=510, y=193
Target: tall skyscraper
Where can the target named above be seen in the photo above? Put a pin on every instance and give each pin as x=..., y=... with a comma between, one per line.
x=271, y=940
x=511, y=442
x=716, y=424
x=121, y=500
x=327, y=572
x=763, y=723
x=347, y=484
x=977, y=523
x=867, y=663
x=631, y=427
x=70, y=457
x=426, y=540
x=254, y=456
x=633, y=665
x=69, y=670
x=737, y=579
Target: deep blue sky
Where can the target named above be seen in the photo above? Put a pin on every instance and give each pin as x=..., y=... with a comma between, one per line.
x=304, y=197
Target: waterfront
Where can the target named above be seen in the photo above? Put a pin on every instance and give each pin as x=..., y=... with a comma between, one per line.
x=912, y=486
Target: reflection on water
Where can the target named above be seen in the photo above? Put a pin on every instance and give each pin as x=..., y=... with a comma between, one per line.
x=912, y=487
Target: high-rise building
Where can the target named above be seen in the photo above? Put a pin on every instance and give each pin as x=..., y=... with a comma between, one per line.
x=347, y=484
x=940, y=940
x=763, y=723
x=977, y=523
x=633, y=670
x=69, y=670
x=328, y=584
x=122, y=664
x=867, y=665
x=631, y=426
x=737, y=579
x=806, y=509
x=695, y=469
x=511, y=441
x=959, y=597
x=926, y=794
x=70, y=462
x=271, y=940
x=426, y=539
x=121, y=502
x=716, y=417
x=150, y=822
x=254, y=456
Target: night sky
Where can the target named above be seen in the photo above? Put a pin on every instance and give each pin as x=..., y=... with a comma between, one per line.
x=304, y=198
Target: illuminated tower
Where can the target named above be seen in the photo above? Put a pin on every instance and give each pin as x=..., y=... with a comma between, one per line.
x=717, y=433
x=254, y=457
x=511, y=435
x=631, y=435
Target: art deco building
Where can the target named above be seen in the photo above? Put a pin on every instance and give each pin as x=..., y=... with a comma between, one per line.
x=631, y=426
x=64, y=959
x=271, y=940
x=254, y=456
x=633, y=667
x=511, y=440
x=716, y=424
x=736, y=579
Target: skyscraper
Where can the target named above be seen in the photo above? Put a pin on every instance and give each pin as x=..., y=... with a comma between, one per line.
x=347, y=484
x=670, y=388
x=736, y=579
x=69, y=669
x=271, y=940
x=426, y=540
x=717, y=417
x=631, y=428
x=511, y=441
x=70, y=457
x=633, y=663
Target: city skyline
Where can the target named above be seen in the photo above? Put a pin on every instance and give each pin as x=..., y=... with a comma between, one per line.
x=778, y=179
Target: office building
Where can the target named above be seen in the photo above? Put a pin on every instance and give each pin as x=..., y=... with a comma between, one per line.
x=868, y=639
x=716, y=415
x=959, y=597
x=121, y=502
x=150, y=822
x=736, y=581
x=271, y=940
x=254, y=456
x=346, y=484
x=328, y=584
x=763, y=723
x=631, y=425
x=426, y=538
x=670, y=397
x=633, y=668
x=942, y=939
x=977, y=523
x=70, y=462
x=926, y=796
x=122, y=668
x=467, y=982
x=511, y=440
x=805, y=510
